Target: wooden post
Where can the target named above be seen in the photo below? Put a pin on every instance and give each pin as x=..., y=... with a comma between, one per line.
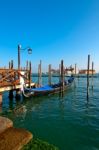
x=75, y=75
x=11, y=94
x=30, y=74
x=59, y=73
x=27, y=63
x=0, y=98
x=88, y=67
x=75, y=69
x=11, y=64
x=19, y=57
x=39, y=74
x=92, y=73
x=27, y=73
x=71, y=70
x=49, y=77
x=62, y=75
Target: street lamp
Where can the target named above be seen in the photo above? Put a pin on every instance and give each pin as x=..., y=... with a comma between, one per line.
x=19, y=49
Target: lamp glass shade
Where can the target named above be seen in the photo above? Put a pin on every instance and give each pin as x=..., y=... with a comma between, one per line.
x=29, y=51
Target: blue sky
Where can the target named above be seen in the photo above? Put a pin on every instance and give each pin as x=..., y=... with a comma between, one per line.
x=54, y=29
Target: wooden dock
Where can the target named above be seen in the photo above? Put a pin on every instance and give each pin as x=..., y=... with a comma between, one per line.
x=12, y=80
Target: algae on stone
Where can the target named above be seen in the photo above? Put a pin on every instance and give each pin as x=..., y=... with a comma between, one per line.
x=37, y=144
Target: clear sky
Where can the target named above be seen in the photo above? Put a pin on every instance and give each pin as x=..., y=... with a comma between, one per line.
x=54, y=29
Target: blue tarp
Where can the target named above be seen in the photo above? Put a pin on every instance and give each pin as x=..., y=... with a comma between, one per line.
x=43, y=88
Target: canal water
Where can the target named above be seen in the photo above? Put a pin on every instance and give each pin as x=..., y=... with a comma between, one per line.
x=70, y=122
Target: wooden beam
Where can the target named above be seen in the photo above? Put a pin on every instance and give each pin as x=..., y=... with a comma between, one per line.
x=49, y=77
x=88, y=67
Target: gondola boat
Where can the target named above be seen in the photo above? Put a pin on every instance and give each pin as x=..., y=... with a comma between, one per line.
x=48, y=89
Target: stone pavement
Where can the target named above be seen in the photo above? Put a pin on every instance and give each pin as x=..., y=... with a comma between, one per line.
x=5, y=123
x=12, y=138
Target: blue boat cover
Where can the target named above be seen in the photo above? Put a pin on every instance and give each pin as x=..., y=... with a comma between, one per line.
x=43, y=88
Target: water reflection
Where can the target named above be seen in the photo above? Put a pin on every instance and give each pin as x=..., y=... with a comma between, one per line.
x=62, y=107
x=20, y=111
x=63, y=119
x=11, y=104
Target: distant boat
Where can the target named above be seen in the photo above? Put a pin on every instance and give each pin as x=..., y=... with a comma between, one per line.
x=48, y=89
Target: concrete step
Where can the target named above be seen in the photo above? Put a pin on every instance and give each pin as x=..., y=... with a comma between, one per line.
x=14, y=139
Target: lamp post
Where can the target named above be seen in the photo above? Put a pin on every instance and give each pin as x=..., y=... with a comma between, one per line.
x=19, y=49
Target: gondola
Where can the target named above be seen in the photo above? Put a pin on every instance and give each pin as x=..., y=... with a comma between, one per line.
x=48, y=89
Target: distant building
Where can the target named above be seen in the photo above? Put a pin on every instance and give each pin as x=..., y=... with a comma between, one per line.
x=69, y=70
x=55, y=71
x=84, y=71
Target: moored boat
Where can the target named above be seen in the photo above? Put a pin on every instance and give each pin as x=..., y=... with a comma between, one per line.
x=48, y=89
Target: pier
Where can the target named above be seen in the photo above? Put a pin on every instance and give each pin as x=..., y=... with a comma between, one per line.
x=13, y=80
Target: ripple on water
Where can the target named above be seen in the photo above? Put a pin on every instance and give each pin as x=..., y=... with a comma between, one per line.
x=70, y=122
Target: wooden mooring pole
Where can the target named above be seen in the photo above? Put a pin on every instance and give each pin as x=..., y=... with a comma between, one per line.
x=19, y=57
x=27, y=63
x=27, y=69
x=59, y=73
x=88, y=67
x=11, y=94
x=75, y=69
x=75, y=75
x=92, y=73
x=40, y=74
x=30, y=70
x=11, y=91
x=62, y=76
x=11, y=64
x=49, y=76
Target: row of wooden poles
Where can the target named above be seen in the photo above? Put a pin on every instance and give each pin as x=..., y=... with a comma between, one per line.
x=61, y=73
x=28, y=67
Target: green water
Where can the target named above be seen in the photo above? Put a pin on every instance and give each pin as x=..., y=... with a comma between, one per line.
x=70, y=122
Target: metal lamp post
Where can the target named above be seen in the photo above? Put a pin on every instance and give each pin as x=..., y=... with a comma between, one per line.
x=19, y=49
